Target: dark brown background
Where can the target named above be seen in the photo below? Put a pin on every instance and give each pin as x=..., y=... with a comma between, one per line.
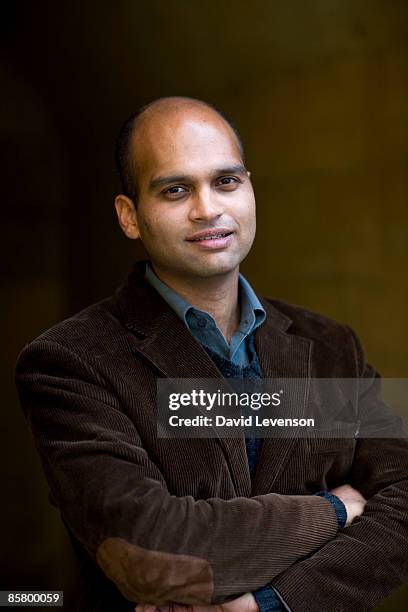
x=319, y=91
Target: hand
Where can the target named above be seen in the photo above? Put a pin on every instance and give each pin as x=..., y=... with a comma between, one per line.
x=245, y=603
x=352, y=499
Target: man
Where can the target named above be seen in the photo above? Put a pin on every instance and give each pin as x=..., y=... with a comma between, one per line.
x=205, y=522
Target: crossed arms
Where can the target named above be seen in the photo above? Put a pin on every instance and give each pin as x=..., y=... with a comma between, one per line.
x=159, y=548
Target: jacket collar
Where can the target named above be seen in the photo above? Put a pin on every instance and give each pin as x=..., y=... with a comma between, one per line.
x=142, y=310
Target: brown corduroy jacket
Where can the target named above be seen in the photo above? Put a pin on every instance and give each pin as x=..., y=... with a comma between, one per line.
x=178, y=520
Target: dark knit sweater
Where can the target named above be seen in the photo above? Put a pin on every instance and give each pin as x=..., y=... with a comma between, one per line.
x=266, y=597
x=250, y=372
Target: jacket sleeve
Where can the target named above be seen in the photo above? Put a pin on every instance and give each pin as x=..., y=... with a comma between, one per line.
x=368, y=560
x=156, y=547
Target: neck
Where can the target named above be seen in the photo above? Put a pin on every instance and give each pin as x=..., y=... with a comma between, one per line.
x=217, y=295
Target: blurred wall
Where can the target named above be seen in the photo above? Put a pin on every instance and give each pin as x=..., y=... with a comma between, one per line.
x=319, y=92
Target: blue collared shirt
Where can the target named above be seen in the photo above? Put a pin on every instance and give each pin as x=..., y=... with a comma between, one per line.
x=203, y=326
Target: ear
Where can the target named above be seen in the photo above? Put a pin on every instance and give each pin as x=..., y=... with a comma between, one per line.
x=249, y=174
x=127, y=216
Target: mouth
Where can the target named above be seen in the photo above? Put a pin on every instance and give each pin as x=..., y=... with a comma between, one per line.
x=212, y=240
x=205, y=236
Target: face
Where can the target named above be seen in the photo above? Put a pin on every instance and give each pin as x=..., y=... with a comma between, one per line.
x=196, y=206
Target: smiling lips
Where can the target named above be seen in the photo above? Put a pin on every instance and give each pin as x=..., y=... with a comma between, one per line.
x=217, y=238
x=210, y=234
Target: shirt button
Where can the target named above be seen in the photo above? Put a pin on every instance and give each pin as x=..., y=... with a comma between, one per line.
x=202, y=323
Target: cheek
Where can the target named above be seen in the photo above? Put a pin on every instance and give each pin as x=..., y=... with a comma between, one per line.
x=161, y=228
x=248, y=223
x=248, y=215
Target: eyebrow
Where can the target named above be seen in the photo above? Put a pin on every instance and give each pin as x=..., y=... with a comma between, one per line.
x=159, y=181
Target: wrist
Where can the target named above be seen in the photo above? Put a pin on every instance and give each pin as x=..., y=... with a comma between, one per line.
x=338, y=506
x=252, y=603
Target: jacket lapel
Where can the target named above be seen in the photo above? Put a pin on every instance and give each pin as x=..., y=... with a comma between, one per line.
x=164, y=341
x=281, y=355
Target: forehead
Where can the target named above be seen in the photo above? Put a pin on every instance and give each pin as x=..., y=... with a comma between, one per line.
x=183, y=143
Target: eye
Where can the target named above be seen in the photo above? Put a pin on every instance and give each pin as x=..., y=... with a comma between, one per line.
x=228, y=181
x=174, y=191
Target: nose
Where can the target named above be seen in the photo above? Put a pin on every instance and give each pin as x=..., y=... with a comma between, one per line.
x=205, y=205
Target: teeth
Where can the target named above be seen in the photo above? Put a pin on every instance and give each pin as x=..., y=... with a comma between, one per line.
x=210, y=237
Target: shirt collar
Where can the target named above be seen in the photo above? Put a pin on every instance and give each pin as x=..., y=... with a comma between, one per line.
x=252, y=312
x=177, y=303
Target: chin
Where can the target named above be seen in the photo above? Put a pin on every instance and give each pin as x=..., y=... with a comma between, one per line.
x=214, y=269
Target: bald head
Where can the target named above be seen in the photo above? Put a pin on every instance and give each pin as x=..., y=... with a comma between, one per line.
x=160, y=119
